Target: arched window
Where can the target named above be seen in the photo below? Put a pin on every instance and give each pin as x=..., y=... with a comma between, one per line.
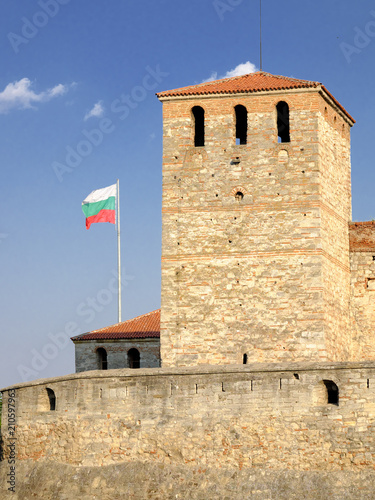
x=198, y=114
x=52, y=399
x=241, y=124
x=134, y=358
x=244, y=359
x=283, y=122
x=332, y=392
x=102, y=358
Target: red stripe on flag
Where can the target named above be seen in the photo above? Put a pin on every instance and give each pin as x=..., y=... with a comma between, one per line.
x=102, y=216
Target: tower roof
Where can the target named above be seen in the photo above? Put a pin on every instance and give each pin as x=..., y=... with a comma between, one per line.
x=141, y=327
x=250, y=83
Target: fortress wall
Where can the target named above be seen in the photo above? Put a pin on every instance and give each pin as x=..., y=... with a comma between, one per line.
x=236, y=417
x=362, y=264
x=260, y=431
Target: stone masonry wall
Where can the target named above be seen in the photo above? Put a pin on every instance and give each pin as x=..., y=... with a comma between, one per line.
x=257, y=424
x=117, y=353
x=253, y=275
x=362, y=263
x=335, y=185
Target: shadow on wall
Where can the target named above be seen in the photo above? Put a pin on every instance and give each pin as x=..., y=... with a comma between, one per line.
x=1, y=437
x=1, y=447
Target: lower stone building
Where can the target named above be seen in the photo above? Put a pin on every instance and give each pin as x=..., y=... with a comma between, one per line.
x=130, y=344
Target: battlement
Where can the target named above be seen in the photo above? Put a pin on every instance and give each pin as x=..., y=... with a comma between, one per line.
x=250, y=418
x=160, y=401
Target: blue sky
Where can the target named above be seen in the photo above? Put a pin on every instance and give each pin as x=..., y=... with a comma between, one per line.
x=78, y=110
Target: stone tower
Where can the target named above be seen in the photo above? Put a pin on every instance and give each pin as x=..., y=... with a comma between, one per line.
x=256, y=206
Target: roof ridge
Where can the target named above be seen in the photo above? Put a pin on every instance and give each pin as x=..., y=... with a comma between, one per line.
x=266, y=73
x=211, y=82
x=290, y=78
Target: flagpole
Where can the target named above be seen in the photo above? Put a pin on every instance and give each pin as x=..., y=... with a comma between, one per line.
x=118, y=251
x=260, y=37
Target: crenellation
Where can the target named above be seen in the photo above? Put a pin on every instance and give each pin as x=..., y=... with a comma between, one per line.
x=273, y=396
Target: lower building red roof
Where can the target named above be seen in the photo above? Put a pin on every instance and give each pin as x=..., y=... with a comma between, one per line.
x=141, y=327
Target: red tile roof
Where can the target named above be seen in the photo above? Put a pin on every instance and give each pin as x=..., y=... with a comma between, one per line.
x=141, y=327
x=252, y=82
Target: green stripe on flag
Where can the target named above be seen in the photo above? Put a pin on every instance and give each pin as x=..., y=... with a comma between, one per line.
x=90, y=209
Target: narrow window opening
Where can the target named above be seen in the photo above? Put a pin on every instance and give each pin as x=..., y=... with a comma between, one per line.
x=245, y=359
x=52, y=399
x=251, y=386
x=296, y=376
x=241, y=124
x=198, y=114
x=134, y=358
x=332, y=392
x=222, y=387
x=102, y=358
x=368, y=383
x=239, y=196
x=283, y=122
x=196, y=388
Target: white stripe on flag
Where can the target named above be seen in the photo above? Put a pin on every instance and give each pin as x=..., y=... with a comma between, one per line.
x=101, y=194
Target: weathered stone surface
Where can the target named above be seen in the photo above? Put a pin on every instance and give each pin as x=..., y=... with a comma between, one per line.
x=139, y=480
x=235, y=429
x=267, y=275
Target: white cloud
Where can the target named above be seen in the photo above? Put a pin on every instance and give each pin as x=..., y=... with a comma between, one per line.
x=211, y=78
x=19, y=95
x=241, y=69
x=97, y=111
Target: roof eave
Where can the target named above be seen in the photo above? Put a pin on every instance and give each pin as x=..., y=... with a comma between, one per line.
x=326, y=94
x=114, y=339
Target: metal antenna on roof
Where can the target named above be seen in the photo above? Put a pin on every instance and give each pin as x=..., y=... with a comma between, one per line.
x=260, y=33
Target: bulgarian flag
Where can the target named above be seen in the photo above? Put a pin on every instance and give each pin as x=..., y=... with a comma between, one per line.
x=100, y=206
